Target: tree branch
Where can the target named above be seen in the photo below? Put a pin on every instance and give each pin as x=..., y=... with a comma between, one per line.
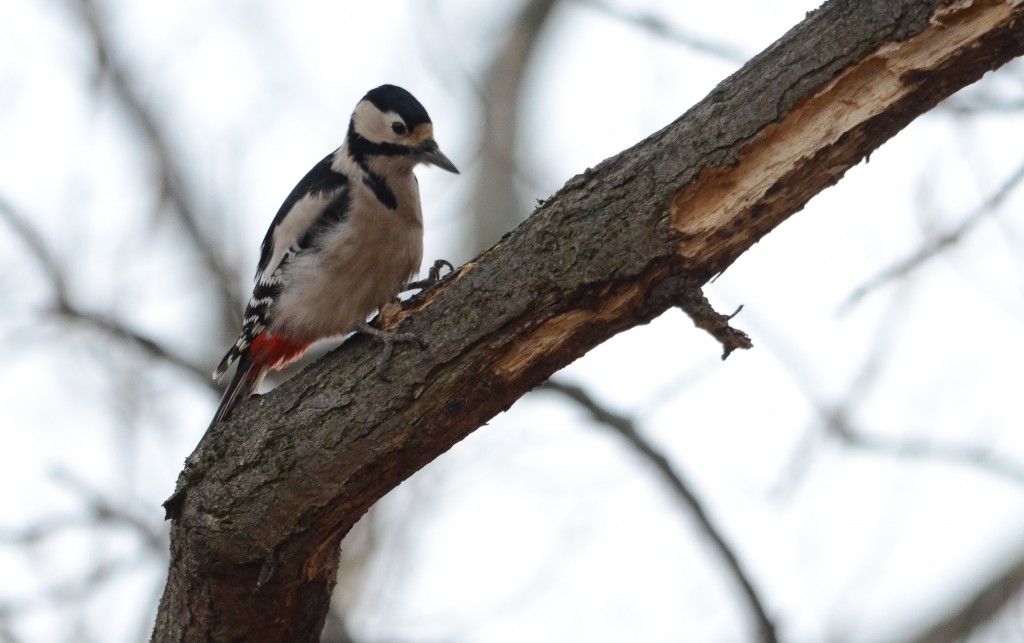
x=265, y=499
x=625, y=427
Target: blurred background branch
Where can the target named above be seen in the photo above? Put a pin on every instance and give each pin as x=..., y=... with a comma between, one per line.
x=655, y=25
x=963, y=621
x=175, y=184
x=940, y=242
x=495, y=200
x=18, y=223
x=692, y=505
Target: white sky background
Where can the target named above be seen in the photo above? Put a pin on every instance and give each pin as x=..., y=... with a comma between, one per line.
x=542, y=526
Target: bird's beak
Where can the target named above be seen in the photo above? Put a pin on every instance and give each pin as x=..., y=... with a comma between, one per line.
x=430, y=153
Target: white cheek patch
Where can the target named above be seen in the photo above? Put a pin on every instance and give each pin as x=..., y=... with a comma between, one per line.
x=374, y=125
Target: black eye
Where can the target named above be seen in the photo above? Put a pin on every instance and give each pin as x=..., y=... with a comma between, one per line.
x=398, y=128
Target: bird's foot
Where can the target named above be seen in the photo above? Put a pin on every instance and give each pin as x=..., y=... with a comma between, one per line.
x=389, y=340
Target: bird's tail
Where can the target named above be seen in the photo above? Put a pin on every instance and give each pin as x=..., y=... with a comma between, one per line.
x=266, y=352
x=246, y=380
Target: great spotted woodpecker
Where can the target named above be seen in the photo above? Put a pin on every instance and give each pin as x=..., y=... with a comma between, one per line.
x=344, y=242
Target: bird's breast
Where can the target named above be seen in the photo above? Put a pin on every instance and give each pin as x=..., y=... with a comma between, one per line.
x=353, y=269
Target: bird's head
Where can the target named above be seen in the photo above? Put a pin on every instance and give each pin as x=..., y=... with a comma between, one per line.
x=390, y=126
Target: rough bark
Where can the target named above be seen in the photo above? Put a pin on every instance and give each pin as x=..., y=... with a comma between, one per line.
x=265, y=499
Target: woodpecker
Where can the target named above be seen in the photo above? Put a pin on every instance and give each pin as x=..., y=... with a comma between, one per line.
x=346, y=241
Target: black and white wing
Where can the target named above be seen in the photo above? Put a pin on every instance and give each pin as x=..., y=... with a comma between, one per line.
x=321, y=199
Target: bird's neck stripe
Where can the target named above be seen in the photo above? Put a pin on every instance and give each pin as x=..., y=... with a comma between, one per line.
x=355, y=150
x=380, y=188
x=359, y=148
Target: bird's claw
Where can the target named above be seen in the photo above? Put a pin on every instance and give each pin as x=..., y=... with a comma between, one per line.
x=389, y=340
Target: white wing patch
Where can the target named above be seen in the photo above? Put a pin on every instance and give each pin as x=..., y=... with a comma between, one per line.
x=291, y=230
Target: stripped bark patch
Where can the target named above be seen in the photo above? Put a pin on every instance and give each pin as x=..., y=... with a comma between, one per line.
x=727, y=208
x=528, y=349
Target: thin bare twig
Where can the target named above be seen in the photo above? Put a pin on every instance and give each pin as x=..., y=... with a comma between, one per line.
x=978, y=608
x=18, y=223
x=693, y=302
x=935, y=246
x=977, y=457
x=627, y=429
x=6, y=633
x=72, y=591
x=65, y=310
x=657, y=26
x=174, y=184
x=152, y=534
x=99, y=513
x=982, y=107
x=114, y=329
x=837, y=417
